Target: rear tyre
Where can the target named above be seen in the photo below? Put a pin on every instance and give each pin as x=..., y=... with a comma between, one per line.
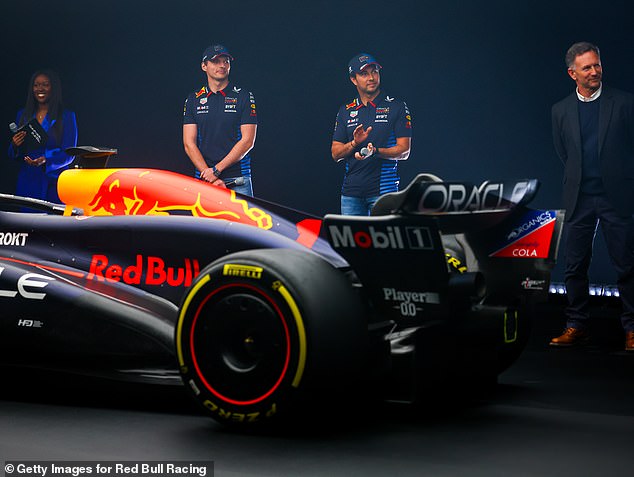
x=260, y=331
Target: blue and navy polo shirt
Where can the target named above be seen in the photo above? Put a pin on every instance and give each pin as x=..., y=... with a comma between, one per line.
x=390, y=119
x=219, y=117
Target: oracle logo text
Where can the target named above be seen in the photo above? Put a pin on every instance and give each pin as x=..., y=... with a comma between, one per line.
x=27, y=285
x=441, y=197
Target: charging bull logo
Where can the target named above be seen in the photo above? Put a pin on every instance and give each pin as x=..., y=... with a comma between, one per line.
x=154, y=192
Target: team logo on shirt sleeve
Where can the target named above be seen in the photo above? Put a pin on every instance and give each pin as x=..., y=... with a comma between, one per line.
x=252, y=105
x=408, y=117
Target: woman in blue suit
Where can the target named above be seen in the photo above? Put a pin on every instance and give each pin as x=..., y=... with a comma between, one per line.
x=41, y=167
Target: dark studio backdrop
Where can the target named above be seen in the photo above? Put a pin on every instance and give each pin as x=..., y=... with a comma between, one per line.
x=479, y=79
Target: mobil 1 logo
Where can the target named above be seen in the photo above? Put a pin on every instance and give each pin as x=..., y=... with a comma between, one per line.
x=394, y=237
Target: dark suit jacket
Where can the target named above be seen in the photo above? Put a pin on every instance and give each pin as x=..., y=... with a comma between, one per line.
x=616, y=148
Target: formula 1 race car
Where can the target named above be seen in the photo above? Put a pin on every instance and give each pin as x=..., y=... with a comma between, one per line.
x=153, y=276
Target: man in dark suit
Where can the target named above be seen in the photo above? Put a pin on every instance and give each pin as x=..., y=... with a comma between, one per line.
x=593, y=132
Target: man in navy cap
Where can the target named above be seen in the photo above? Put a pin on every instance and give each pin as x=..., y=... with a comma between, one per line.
x=373, y=132
x=219, y=125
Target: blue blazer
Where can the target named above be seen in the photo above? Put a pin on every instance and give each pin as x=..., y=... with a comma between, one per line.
x=616, y=148
x=41, y=182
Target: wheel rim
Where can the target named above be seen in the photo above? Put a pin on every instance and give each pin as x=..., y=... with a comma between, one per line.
x=240, y=344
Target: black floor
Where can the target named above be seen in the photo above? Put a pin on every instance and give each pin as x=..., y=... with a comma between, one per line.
x=554, y=413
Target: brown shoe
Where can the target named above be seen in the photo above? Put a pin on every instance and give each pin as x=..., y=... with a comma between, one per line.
x=571, y=337
x=629, y=341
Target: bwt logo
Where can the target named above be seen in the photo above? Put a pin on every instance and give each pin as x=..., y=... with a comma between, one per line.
x=389, y=237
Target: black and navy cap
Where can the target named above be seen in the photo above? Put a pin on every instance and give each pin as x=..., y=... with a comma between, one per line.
x=214, y=51
x=359, y=62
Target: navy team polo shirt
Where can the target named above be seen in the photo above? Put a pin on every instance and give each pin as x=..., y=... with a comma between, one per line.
x=389, y=119
x=219, y=117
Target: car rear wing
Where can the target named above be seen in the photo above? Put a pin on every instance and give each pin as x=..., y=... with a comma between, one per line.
x=434, y=240
x=493, y=218
x=458, y=206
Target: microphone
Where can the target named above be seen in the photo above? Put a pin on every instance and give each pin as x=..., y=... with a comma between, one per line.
x=237, y=181
x=13, y=127
x=365, y=152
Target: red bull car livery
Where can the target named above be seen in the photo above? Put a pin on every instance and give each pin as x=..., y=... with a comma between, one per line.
x=254, y=307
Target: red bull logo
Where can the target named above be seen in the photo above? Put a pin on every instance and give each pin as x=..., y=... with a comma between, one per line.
x=154, y=192
x=145, y=270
